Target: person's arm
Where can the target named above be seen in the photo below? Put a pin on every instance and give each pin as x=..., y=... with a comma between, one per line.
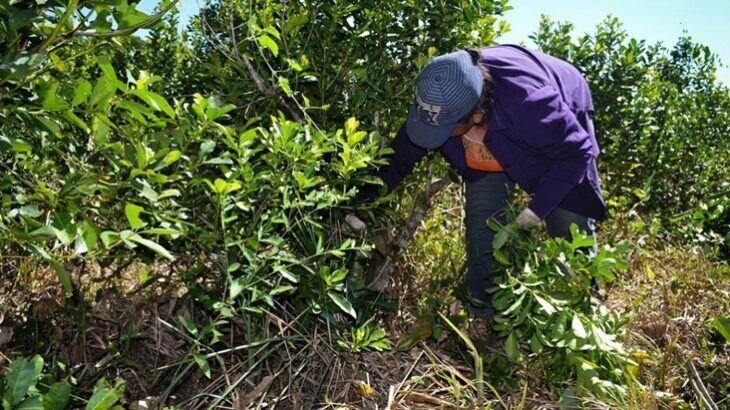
x=546, y=123
x=405, y=156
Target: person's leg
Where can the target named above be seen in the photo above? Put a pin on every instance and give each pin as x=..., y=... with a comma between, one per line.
x=558, y=225
x=484, y=199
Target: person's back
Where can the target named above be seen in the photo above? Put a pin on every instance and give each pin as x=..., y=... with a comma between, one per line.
x=518, y=71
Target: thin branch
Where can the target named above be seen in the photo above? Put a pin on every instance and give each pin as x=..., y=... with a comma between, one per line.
x=699, y=388
x=57, y=29
x=389, y=250
x=123, y=31
x=17, y=176
x=233, y=53
x=267, y=90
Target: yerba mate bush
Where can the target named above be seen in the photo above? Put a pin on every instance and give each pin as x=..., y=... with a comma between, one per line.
x=178, y=182
x=546, y=308
x=101, y=168
x=245, y=215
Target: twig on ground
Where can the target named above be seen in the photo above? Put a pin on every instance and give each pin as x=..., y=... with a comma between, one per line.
x=408, y=373
x=703, y=396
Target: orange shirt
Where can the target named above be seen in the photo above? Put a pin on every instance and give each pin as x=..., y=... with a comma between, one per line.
x=478, y=156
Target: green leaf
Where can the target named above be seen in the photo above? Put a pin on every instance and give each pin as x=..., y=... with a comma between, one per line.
x=579, y=239
x=501, y=257
x=578, y=328
x=109, y=238
x=128, y=15
x=206, y=147
x=547, y=306
x=15, y=145
x=510, y=347
x=89, y=235
x=161, y=231
x=132, y=212
x=237, y=286
x=271, y=30
x=48, y=92
x=203, y=364
x=37, y=361
x=18, y=380
x=288, y=275
x=281, y=289
x=82, y=92
x=106, y=67
x=269, y=43
x=57, y=396
x=102, y=93
x=284, y=85
x=500, y=238
x=148, y=192
x=343, y=303
x=31, y=211
x=75, y=120
x=214, y=111
x=101, y=22
x=100, y=129
x=189, y=325
x=338, y=275
x=172, y=156
x=515, y=305
x=66, y=229
x=722, y=324
x=138, y=111
x=640, y=193
x=156, y=101
x=25, y=64
x=535, y=344
x=152, y=245
x=32, y=403
x=104, y=397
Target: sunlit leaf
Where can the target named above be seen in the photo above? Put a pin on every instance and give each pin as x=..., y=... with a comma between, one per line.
x=269, y=43
x=343, y=304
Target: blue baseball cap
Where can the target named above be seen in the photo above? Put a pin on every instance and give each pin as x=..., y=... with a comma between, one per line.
x=447, y=89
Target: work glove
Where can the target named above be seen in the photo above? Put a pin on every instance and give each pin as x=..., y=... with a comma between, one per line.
x=354, y=222
x=367, y=193
x=527, y=219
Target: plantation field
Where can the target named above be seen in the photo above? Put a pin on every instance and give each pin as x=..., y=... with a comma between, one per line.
x=176, y=223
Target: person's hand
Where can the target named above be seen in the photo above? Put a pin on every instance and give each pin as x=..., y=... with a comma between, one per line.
x=527, y=219
x=354, y=222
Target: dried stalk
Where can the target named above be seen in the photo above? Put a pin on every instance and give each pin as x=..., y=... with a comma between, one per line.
x=703, y=396
x=389, y=253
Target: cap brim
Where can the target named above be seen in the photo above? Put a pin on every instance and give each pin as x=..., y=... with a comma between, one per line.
x=424, y=134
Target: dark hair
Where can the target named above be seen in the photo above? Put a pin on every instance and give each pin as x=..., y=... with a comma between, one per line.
x=485, y=104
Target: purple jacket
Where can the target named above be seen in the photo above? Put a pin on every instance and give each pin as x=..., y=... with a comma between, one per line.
x=540, y=131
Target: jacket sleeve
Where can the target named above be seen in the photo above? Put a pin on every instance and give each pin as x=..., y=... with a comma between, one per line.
x=405, y=156
x=546, y=123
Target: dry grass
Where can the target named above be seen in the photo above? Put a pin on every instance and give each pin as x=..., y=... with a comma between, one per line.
x=670, y=296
